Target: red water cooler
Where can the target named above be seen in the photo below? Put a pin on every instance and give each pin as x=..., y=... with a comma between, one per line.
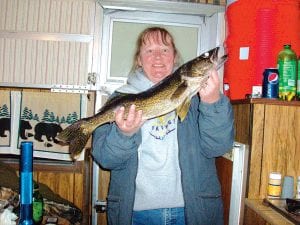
x=255, y=33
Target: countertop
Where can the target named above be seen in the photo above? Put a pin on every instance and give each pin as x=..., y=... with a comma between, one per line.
x=267, y=213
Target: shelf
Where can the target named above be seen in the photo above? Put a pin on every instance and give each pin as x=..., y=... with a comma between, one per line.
x=267, y=101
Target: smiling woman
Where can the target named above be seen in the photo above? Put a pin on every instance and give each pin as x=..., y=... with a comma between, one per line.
x=154, y=179
x=120, y=62
x=121, y=27
x=156, y=53
x=117, y=54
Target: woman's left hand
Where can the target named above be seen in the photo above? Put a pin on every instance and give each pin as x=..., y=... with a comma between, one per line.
x=211, y=93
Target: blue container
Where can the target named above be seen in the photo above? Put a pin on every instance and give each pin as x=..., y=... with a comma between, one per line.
x=26, y=183
x=270, y=87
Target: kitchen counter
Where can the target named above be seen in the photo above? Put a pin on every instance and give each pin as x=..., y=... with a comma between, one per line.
x=270, y=215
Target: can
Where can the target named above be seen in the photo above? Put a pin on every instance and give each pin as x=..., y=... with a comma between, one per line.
x=270, y=83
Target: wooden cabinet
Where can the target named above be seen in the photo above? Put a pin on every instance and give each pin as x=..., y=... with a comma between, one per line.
x=224, y=169
x=50, y=43
x=69, y=180
x=256, y=213
x=272, y=130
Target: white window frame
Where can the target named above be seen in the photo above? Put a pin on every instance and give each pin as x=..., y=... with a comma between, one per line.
x=110, y=16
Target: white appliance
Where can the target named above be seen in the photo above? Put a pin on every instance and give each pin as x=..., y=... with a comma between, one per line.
x=239, y=156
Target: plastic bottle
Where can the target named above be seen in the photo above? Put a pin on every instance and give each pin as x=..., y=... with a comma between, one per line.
x=38, y=205
x=287, y=67
x=274, y=185
x=26, y=183
x=298, y=80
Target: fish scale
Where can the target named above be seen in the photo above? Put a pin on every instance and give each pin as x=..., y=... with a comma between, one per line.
x=172, y=93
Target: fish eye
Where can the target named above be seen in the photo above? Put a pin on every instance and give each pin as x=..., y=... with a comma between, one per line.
x=206, y=54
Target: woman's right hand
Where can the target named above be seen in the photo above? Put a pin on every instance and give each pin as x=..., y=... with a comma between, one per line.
x=132, y=123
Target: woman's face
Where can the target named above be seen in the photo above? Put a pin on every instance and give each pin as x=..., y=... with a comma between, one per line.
x=156, y=58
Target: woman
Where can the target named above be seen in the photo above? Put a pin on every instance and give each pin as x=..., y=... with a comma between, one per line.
x=163, y=170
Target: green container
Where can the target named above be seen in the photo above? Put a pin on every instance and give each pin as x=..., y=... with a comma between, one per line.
x=37, y=205
x=298, y=79
x=287, y=67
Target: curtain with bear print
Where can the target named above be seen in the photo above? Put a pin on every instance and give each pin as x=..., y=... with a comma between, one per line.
x=39, y=117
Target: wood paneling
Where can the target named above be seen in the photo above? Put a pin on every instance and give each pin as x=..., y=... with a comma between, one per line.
x=224, y=169
x=256, y=135
x=252, y=218
x=61, y=183
x=258, y=213
x=65, y=179
x=281, y=143
x=273, y=139
x=242, y=121
x=104, y=177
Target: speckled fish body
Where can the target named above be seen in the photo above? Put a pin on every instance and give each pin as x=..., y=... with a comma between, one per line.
x=172, y=93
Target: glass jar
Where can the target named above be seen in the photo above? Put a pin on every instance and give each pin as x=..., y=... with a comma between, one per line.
x=274, y=185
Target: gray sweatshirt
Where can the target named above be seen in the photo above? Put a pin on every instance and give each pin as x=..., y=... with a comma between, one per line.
x=158, y=181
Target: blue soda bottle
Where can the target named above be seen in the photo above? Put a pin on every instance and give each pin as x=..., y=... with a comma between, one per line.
x=26, y=183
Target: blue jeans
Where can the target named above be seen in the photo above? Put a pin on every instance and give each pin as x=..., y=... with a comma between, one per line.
x=165, y=216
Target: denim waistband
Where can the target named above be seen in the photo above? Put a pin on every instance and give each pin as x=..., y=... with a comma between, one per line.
x=163, y=216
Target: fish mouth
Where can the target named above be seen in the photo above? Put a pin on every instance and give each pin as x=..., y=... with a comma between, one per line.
x=217, y=60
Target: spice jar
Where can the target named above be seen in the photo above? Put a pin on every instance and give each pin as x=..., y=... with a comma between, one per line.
x=274, y=186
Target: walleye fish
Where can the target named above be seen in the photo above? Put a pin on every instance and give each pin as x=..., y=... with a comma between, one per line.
x=172, y=93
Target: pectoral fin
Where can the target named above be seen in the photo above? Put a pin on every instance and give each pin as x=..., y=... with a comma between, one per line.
x=179, y=91
x=183, y=109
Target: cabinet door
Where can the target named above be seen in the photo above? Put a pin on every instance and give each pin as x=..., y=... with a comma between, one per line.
x=274, y=144
x=46, y=44
x=281, y=143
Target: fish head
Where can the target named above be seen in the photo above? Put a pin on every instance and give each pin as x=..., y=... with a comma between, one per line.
x=201, y=65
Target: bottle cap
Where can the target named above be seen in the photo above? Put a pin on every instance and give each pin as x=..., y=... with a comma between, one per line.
x=275, y=175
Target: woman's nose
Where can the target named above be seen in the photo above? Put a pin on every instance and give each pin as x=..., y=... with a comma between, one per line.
x=157, y=54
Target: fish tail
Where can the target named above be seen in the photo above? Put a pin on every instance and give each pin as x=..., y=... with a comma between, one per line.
x=76, y=136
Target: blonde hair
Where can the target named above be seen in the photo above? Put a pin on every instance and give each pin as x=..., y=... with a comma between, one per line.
x=144, y=36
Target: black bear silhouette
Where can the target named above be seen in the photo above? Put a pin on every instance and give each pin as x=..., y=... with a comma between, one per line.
x=4, y=126
x=24, y=125
x=50, y=130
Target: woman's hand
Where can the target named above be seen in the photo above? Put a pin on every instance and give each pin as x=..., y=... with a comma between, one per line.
x=211, y=93
x=132, y=123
